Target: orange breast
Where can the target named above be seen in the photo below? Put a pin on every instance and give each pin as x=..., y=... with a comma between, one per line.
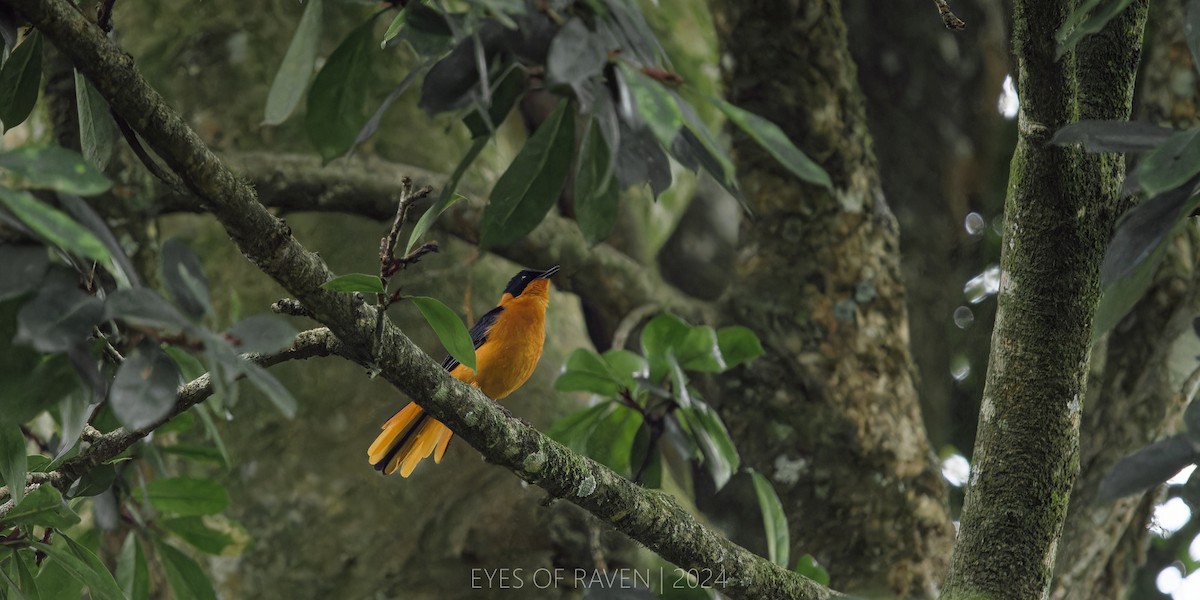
x=512, y=350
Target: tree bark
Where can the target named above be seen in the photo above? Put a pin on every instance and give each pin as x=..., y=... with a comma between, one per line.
x=1058, y=217
x=830, y=413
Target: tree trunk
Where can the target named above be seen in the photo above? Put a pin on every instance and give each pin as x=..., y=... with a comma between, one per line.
x=830, y=413
x=1058, y=218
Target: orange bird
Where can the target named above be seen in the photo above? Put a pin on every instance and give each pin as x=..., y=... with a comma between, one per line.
x=508, y=343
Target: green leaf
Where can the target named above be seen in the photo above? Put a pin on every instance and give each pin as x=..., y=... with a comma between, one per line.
x=449, y=329
x=776, y=142
x=659, y=336
x=185, y=496
x=424, y=28
x=626, y=366
x=55, y=168
x=355, y=282
x=13, y=463
x=611, y=442
x=651, y=475
x=196, y=452
x=83, y=565
x=1191, y=31
x=720, y=455
x=143, y=306
x=574, y=430
x=655, y=105
x=699, y=350
x=24, y=267
x=97, y=132
x=184, y=278
x=275, y=391
x=505, y=94
x=186, y=579
x=585, y=371
x=1085, y=20
x=1174, y=162
x=576, y=54
x=430, y=217
x=808, y=567
x=532, y=182
x=339, y=93
x=133, y=574
x=20, y=81
x=1112, y=136
x=193, y=531
x=292, y=78
x=596, y=195
x=393, y=28
x=55, y=582
x=1148, y=467
x=95, y=482
x=144, y=389
x=28, y=584
x=60, y=317
x=738, y=345
x=774, y=519
x=261, y=334
x=54, y=225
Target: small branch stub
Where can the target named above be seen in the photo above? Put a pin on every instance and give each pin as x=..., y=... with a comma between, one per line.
x=951, y=21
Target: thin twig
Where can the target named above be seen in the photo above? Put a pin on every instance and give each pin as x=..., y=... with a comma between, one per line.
x=134, y=144
x=111, y=352
x=951, y=21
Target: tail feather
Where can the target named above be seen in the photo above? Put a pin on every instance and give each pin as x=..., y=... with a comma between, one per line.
x=410, y=436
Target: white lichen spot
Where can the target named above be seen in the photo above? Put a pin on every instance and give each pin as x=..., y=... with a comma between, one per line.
x=788, y=470
x=471, y=419
x=586, y=487
x=1074, y=406
x=534, y=462
x=988, y=410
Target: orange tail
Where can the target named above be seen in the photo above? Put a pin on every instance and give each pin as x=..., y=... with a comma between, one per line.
x=408, y=437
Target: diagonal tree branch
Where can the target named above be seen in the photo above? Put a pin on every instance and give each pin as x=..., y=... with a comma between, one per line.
x=650, y=517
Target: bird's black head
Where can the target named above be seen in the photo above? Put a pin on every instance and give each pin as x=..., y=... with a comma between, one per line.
x=517, y=284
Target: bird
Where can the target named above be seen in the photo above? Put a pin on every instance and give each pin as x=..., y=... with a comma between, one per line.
x=508, y=343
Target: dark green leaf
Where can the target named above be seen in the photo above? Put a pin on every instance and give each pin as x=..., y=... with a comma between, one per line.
x=262, y=334
x=43, y=507
x=1191, y=31
x=430, y=217
x=1112, y=136
x=1086, y=19
x=720, y=455
x=449, y=329
x=20, y=81
x=188, y=365
x=94, y=482
x=13, y=463
x=22, y=562
x=196, y=452
x=626, y=366
x=184, y=576
x=612, y=440
x=55, y=582
x=271, y=387
x=124, y=272
x=97, y=132
x=454, y=80
x=185, y=496
x=574, y=430
x=1191, y=420
x=355, y=282
x=642, y=160
x=651, y=474
x=699, y=350
x=505, y=94
x=372, y=125
x=659, y=336
x=55, y=169
x=133, y=574
x=738, y=345
x=144, y=389
x=1136, y=250
x=339, y=93
x=53, y=225
x=585, y=371
x=83, y=565
x=292, y=78
x=774, y=520
x=424, y=28
x=775, y=141
x=29, y=382
x=808, y=567
x=23, y=269
x=1148, y=467
x=596, y=195
x=59, y=317
x=143, y=306
x=576, y=54
x=710, y=152
x=532, y=182
x=211, y=431
x=448, y=196
x=679, y=381
x=184, y=278
x=1175, y=162
x=193, y=531
x=502, y=9
x=655, y=106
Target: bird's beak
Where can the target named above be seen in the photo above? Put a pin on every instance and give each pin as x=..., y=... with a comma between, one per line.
x=548, y=273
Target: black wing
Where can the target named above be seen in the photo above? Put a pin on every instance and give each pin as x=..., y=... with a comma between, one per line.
x=479, y=334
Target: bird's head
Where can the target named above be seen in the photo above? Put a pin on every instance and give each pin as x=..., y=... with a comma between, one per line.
x=529, y=283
